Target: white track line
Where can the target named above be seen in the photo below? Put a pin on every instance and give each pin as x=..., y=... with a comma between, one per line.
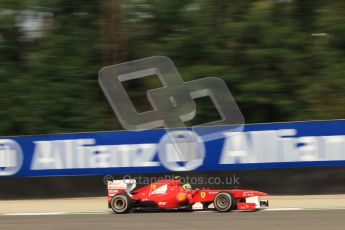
x=282, y=209
x=89, y=213
x=35, y=213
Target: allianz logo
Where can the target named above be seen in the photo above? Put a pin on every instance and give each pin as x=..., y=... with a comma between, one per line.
x=175, y=151
x=280, y=146
x=11, y=157
x=177, y=154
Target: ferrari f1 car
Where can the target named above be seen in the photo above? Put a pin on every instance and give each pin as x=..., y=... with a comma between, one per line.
x=172, y=195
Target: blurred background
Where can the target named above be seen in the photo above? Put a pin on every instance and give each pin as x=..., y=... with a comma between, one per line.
x=283, y=60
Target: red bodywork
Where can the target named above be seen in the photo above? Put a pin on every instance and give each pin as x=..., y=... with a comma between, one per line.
x=170, y=194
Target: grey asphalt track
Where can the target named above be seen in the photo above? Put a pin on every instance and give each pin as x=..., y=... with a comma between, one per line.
x=310, y=219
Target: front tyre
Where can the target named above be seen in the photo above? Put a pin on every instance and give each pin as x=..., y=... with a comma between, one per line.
x=121, y=203
x=224, y=202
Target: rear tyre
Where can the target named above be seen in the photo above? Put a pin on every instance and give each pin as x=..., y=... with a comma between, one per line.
x=224, y=202
x=121, y=203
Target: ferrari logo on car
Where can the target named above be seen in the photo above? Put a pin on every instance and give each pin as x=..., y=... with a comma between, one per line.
x=203, y=194
x=154, y=187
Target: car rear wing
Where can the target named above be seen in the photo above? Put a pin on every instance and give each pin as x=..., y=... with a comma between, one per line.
x=120, y=186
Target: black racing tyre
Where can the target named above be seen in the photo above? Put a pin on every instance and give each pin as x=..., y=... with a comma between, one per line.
x=224, y=202
x=121, y=203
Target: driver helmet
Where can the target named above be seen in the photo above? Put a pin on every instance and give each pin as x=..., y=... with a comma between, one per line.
x=187, y=186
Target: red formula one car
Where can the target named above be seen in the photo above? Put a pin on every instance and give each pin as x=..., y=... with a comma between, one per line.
x=172, y=195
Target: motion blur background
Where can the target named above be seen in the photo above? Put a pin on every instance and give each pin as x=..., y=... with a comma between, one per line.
x=283, y=60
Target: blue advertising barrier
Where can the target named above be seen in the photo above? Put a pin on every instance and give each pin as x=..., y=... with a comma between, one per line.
x=260, y=146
